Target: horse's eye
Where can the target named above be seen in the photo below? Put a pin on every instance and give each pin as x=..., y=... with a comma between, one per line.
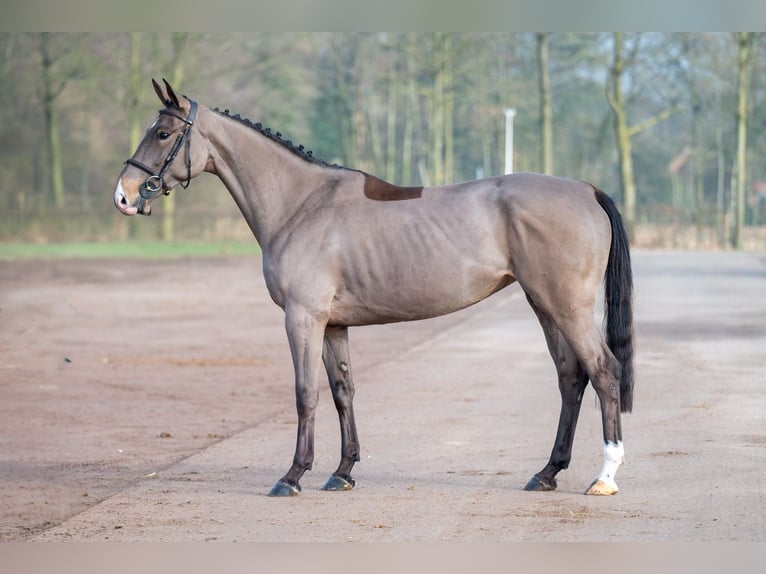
x=162, y=135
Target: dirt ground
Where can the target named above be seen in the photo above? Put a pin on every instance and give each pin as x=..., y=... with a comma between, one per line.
x=152, y=400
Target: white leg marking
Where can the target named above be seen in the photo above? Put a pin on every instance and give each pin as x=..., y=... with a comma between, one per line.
x=614, y=453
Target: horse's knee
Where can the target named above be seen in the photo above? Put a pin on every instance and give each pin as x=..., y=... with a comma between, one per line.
x=306, y=403
x=605, y=377
x=342, y=385
x=342, y=396
x=607, y=389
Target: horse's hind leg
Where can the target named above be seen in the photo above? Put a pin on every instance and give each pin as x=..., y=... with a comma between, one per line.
x=336, y=361
x=572, y=382
x=603, y=369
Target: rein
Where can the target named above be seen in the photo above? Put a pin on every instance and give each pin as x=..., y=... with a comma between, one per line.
x=154, y=184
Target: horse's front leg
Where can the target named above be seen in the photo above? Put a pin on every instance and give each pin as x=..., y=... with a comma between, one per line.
x=304, y=333
x=336, y=360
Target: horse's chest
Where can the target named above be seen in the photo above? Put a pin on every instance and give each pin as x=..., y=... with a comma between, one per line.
x=298, y=276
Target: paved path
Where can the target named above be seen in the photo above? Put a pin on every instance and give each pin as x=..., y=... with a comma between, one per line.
x=456, y=413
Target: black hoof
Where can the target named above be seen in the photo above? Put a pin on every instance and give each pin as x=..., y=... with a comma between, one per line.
x=541, y=485
x=284, y=489
x=336, y=482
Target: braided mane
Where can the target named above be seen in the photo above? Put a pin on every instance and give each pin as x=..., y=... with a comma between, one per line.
x=298, y=150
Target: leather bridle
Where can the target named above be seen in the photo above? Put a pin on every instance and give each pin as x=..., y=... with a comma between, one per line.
x=154, y=184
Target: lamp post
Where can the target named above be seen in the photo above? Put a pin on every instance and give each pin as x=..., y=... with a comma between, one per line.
x=509, y=114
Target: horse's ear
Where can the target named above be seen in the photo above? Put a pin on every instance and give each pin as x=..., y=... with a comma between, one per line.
x=158, y=90
x=172, y=97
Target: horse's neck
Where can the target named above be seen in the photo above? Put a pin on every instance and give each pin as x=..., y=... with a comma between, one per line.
x=267, y=181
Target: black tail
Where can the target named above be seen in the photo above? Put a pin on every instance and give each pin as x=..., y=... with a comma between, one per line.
x=619, y=300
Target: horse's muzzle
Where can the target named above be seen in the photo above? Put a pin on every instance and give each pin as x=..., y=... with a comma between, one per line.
x=123, y=205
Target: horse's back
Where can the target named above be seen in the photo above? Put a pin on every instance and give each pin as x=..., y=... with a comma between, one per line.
x=550, y=196
x=537, y=216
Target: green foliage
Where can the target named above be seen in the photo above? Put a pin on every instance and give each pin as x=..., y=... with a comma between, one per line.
x=130, y=249
x=408, y=107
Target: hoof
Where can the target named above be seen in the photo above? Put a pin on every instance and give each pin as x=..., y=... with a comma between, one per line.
x=540, y=485
x=601, y=488
x=284, y=489
x=336, y=482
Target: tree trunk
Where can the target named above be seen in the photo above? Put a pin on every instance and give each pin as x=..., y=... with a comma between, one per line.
x=391, y=116
x=449, y=110
x=622, y=134
x=134, y=91
x=442, y=111
x=745, y=53
x=176, y=66
x=720, y=211
x=55, y=172
x=128, y=227
x=437, y=118
x=546, y=104
x=410, y=115
x=376, y=138
x=698, y=170
x=488, y=132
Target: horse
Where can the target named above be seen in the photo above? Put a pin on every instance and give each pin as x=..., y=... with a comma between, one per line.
x=342, y=248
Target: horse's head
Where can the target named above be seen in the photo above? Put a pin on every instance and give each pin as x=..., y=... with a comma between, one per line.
x=164, y=158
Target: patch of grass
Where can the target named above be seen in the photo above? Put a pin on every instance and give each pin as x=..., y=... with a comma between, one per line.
x=128, y=249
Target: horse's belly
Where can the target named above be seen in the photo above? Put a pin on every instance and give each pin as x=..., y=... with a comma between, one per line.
x=417, y=264
x=398, y=300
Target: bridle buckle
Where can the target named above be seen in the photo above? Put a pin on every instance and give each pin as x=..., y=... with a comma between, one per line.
x=154, y=184
x=152, y=187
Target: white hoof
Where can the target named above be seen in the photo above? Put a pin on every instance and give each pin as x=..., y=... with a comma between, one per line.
x=602, y=488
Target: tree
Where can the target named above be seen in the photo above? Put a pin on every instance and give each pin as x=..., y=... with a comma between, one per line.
x=623, y=130
x=412, y=108
x=745, y=57
x=12, y=137
x=136, y=87
x=442, y=105
x=546, y=105
x=51, y=89
x=702, y=67
x=60, y=62
x=625, y=159
x=178, y=40
x=343, y=90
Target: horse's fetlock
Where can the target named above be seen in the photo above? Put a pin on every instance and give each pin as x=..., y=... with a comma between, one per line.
x=351, y=454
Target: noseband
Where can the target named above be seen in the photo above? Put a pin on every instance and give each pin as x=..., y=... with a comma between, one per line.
x=154, y=184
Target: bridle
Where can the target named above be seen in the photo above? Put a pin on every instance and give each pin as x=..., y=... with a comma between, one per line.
x=154, y=184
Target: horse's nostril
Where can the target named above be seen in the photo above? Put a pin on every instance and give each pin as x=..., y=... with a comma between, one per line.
x=122, y=202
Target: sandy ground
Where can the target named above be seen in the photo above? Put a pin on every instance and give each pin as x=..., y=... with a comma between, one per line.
x=153, y=401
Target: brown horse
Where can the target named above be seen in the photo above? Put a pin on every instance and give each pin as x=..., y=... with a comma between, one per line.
x=343, y=248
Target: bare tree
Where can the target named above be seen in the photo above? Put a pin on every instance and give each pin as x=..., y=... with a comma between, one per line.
x=623, y=130
x=745, y=57
x=546, y=103
x=52, y=86
x=179, y=41
x=442, y=107
x=135, y=90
